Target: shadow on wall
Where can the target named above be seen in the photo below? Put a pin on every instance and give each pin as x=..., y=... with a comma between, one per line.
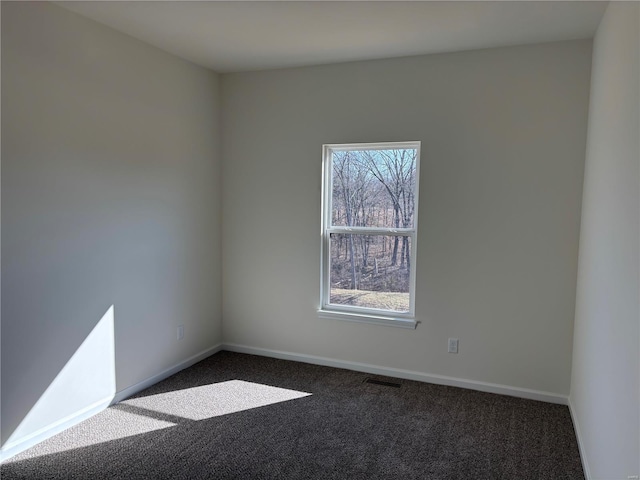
x=86, y=382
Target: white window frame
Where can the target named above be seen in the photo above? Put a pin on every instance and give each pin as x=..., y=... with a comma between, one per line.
x=351, y=312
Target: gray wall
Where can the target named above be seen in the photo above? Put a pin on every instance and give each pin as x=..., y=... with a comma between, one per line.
x=503, y=136
x=606, y=372
x=110, y=196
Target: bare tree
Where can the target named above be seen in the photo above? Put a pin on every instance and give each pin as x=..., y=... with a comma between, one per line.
x=395, y=170
x=353, y=196
x=372, y=188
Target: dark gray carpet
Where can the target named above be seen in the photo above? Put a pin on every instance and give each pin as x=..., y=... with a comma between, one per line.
x=235, y=416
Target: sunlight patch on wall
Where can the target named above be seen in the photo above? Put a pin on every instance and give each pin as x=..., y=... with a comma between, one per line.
x=206, y=401
x=87, y=380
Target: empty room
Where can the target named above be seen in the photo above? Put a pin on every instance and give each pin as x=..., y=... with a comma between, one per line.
x=325, y=240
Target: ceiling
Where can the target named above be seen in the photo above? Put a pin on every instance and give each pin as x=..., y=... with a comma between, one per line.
x=242, y=36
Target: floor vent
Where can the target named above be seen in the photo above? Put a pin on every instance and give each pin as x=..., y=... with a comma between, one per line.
x=382, y=382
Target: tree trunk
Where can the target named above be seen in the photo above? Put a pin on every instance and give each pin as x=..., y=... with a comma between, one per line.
x=353, y=263
x=408, y=254
x=394, y=255
x=364, y=244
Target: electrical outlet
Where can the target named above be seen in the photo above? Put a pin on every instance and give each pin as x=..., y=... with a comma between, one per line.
x=180, y=332
x=453, y=345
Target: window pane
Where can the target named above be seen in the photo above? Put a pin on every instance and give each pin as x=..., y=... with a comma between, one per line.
x=373, y=188
x=371, y=271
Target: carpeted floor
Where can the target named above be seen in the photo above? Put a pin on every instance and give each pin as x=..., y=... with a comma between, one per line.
x=235, y=416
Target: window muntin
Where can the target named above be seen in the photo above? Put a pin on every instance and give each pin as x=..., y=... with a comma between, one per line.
x=370, y=199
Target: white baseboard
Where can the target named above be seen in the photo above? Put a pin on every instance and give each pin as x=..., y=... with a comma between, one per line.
x=138, y=387
x=583, y=453
x=13, y=448
x=406, y=374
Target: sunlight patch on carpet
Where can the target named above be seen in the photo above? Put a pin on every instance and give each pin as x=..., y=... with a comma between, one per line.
x=206, y=401
x=108, y=425
x=137, y=416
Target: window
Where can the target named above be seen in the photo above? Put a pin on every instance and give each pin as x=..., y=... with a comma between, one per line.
x=369, y=228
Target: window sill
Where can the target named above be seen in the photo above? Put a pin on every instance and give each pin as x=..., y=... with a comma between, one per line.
x=367, y=318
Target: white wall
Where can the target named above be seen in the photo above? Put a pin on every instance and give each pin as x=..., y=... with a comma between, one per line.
x=110, y=197
x=605, y=379
x=503, y=136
